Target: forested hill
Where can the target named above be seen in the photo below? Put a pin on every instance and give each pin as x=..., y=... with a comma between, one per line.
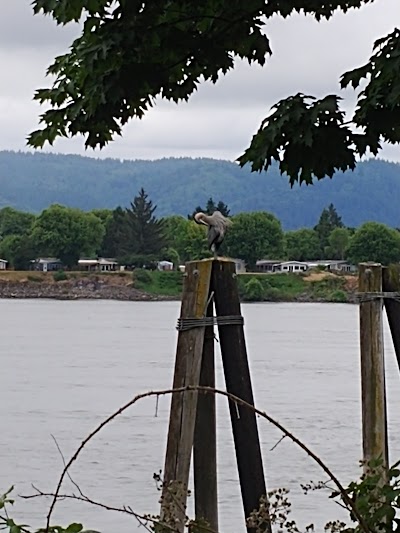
x=31, y=182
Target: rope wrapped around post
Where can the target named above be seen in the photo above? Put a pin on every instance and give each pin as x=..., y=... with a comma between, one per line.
x=185, y=324
x=371, y=296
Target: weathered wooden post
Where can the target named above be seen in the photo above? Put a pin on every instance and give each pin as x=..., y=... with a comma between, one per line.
x=189, y=351
x=391, y=286
x=205, y=438
x=373, y=390
x=192, y=418
x=238, y=383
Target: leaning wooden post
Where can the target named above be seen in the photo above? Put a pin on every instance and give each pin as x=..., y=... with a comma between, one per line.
x=391, y=284
x=183, y=406
x=374, y=423
x=205, y=439
x=238, y=382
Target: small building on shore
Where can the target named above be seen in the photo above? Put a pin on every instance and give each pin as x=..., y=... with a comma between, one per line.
x=292, y=266
x=165, y=265
x=267, y=265
x=333, y=265
x=101, y=264
x=46, y=264
x=270, y=266
x=3, y=264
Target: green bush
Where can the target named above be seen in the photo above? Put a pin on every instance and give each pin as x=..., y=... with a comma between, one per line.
x=142, y=276
x=60, y=275
x=338, y=296
x=324, y=287
x=266, y=282
x=170, y=279
x=254, y=291
x=272, y=294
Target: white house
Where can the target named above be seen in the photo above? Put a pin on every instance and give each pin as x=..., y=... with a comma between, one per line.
x=165, y=265
x=46, y=264
x=291, y=266
x=333, y=265
x=3, y=264
x=101, y=264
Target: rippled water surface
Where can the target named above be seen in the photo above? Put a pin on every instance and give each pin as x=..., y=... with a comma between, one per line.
x=67, y=365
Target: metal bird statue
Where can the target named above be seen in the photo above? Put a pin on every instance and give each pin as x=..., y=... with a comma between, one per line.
x=217, y=226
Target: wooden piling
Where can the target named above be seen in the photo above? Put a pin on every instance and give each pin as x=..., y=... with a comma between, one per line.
x=391, y=283
x=238, y=382
x=183, y=406
x=374, y=423
x=205, y=439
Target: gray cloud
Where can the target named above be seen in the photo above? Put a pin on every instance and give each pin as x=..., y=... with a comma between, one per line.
x=19, y=29
x=220, y=119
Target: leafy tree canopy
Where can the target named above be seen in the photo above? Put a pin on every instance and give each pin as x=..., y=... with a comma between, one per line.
x=104, y=215
x=13, y=222
x=18, y=250
x=339, y=240
x=130, y=53
x=302, y=245
x=116, y=234
x=67, y=233
x=185, y=239
x=254, y=236
x=374, y=242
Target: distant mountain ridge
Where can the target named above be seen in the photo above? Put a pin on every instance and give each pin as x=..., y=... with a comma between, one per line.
x=33, y=181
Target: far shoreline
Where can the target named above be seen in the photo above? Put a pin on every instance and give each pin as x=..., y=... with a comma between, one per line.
x=147, y=286
x=31, y=293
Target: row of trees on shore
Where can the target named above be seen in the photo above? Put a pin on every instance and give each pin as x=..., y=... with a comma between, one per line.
x=134, y=235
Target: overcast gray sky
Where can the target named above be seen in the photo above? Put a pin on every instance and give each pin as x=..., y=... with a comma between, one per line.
x=219, y=120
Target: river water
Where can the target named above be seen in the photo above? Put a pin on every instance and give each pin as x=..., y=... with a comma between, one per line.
x=67, y=365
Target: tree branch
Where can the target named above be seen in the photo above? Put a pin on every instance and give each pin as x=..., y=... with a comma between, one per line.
x=142, y=519
x=209, y=390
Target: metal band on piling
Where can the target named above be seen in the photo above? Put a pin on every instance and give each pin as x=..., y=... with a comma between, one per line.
x=185, y=324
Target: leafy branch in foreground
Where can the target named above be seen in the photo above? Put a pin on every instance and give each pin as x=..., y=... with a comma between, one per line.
x=8, y=523
x=313, y=139
x=372, y=502
x=131, y=53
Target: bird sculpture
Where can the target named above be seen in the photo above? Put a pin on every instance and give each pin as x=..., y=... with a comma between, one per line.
x=217, y=226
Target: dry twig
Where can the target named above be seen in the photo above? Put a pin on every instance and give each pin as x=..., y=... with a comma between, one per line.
x=208, y=390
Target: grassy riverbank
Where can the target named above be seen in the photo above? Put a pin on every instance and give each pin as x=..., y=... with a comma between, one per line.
x=309, y=287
